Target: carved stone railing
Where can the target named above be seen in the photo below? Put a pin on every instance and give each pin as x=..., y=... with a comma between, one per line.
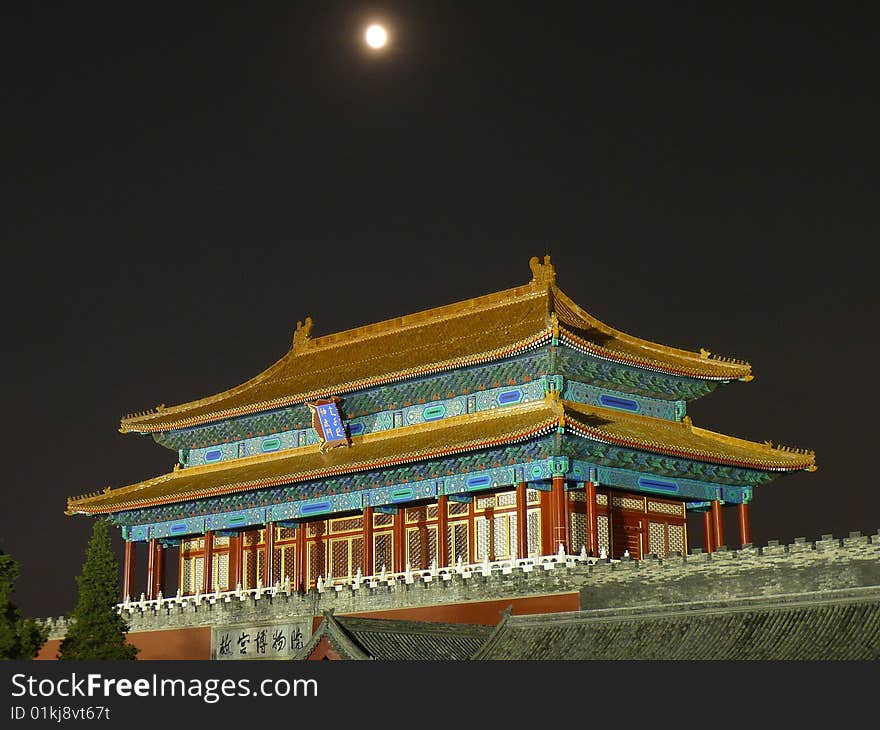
x=407, y=577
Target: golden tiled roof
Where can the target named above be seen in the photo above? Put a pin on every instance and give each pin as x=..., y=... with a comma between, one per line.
x=681, y=438
x=419, y=442
x=457, y=335
x=458, y=434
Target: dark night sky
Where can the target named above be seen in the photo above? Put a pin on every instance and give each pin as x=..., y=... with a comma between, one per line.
x=180, y=184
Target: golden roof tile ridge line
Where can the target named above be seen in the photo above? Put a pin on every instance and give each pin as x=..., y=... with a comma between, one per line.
x=736, y=441
x=579, y=313
x=661, y=447
x=629, y=358
x=414, y=320
x=522, y=345
x=264, y=483
x=680, y=451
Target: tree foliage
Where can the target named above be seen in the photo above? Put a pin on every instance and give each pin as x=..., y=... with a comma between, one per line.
x=19, y=638
x=97, y=630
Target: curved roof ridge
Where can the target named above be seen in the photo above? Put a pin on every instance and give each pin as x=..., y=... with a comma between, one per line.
x=572, y=314
x=682, y=438
x=404, y=322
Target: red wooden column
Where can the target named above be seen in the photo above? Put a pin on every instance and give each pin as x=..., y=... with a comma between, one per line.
x=269, y=555
x=708, y=532
x=546, y=541
x=159, y=571
x=442, y=529
x=128, y=569
x=717, y=524
x=367, y=567
x=745, y=530
x=592, y=520
x=300, y=557
x=522, y=522
x=151, y=568
x=399, y=541
x=208, y=565
x=236, y=561
x=559, y=515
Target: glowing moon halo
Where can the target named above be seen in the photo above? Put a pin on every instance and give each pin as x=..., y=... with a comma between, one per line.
x=376, y=36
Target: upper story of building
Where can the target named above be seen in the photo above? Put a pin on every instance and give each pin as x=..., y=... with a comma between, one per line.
x=502, y=349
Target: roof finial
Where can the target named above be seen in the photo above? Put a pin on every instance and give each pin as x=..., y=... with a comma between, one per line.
x=542, y=273
x=301, y=335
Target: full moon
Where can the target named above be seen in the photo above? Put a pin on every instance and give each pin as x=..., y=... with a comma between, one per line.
x=376, y=36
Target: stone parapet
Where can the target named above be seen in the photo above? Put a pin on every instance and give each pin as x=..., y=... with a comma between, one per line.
x=801, y=568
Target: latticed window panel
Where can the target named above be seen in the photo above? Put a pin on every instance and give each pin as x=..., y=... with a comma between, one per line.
x=198, y=574
x=189, y=545
x=533, y=496
x=286, y=533
x=357, y=554
x=340, y=563
x=457, y=542
x=317, y=528
x=533, y=533
x=506, y=499
x=628, y=503
x=253, y=538
x=287, y=567
x=602, y=499
x=676, y=538
x=222, y=541
x=191, y=575
x=666, y=508
x=277, y=564
x=483, y=503
x=414, y=547
x=261, y=559
x=220, y=570
x=577, y=495
x=346, y=555
x=578, y=531
x=602, y=529
x=380, y=519
x=657, y=538
x=504, y=534
x=347, y=524
x=249, y=572
x=481, y=534
x=383, y=551
x=416, y=514
x=433, y=512
x=317, y=561
x=458, y=508
x=421, y=546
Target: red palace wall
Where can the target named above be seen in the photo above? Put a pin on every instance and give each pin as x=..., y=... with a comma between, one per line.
x=190, y=643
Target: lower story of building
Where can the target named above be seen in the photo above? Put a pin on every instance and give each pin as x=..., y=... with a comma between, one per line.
x=517, y=523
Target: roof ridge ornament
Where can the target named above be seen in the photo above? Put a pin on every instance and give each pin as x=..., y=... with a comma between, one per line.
x=302, y=335
x=542, y=273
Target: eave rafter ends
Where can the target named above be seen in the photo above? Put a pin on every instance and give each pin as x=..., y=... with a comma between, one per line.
x=450, y=436
x=472, y=332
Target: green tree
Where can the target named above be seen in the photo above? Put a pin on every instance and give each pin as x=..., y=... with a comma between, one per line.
x=19, y=638
x=97, y=630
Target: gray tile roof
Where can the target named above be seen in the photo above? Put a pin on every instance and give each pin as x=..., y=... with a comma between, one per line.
x=391, y=640
x=843, y=624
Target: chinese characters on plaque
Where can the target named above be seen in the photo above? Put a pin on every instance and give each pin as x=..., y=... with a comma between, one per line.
x=327, y=422
x=258, y=642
